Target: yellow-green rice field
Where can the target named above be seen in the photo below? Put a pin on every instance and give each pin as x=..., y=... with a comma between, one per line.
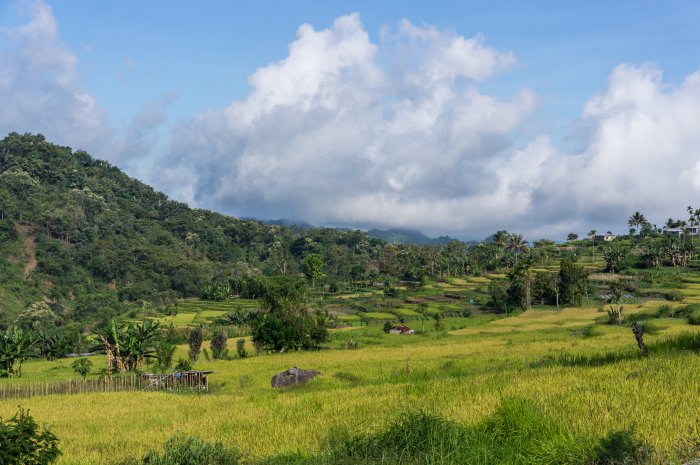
x=461, y=374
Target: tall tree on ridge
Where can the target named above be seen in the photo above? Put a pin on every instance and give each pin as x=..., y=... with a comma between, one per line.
x=517, y=245
x=636, y=220
x=591, y=234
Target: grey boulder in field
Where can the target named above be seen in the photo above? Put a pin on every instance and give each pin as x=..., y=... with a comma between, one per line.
x=292, y=377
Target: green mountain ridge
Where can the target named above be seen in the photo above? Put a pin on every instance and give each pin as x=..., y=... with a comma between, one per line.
x=81, y=235
x=407, y=236
x=390, y=236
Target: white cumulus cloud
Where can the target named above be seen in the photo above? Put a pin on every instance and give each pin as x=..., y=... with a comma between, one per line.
x=40, y=86
x=42, y=91
x=347, y=131
x=394, y=132
x=642, y=153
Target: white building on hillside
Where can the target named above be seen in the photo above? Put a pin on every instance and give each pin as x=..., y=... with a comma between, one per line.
x=691, y=230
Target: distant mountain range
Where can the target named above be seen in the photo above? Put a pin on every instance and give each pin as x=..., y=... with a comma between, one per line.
x=411, y=236
x=391, y=236
x=287, y=223
x=407, y=236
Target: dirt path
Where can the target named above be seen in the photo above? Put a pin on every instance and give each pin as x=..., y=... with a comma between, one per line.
x=29, y=248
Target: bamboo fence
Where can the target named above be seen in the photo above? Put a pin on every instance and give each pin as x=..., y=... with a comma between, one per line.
x=9, y=390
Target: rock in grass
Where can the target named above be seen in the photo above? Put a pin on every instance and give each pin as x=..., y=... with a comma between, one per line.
x=293, y=377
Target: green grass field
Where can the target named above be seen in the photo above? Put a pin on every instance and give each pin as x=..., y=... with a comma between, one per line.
x=577, y=371
x=462, y=375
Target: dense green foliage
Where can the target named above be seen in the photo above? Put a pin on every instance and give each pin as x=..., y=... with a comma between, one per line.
x=194, y=341
x=186, y=450
x=288, y=324
x=23, y=443
x=218, y=345
x=127, y=346
x=16, y=346
x=105, y=243
x=82, y=366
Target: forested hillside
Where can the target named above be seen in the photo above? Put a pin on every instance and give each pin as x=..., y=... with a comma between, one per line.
x=82, y=236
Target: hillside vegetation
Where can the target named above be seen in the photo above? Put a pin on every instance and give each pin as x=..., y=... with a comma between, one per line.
x=83, y=236
x=578, y=353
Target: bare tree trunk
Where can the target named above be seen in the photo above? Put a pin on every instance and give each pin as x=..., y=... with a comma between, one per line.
x=638, y=331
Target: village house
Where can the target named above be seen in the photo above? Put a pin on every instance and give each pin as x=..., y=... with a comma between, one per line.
x=691, y=230
x=604, y=237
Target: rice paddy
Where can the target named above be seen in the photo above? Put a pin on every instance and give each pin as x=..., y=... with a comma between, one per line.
x=581, y=373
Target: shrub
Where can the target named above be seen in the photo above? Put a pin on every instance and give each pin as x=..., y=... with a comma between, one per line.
x=181, y=449
x=665, y=310
x=240, y=348
x=219, y=351
x=82, y=367
x=437, y=318
x=588, y=331
x=194, y=340
x=499, y=296
x=164, y=354
x=694, y=318
x=183, y=364
x=621, y=447
x=390, y=291
x=22, y=443
x=280, y=332
x=218, y=291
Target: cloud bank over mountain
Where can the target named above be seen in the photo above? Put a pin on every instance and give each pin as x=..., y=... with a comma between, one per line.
x=398, y=132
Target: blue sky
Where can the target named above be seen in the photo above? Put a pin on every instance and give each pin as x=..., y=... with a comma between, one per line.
x=134, y=52
x=514, y=99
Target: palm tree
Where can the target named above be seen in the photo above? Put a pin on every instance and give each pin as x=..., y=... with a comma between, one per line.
x=525, y=271
x=500, y=239
x=591, y=234
x=517, y=245
x=637, y=219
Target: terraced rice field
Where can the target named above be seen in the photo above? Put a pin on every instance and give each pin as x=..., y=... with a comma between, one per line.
x=462, y=375
x=192, y=312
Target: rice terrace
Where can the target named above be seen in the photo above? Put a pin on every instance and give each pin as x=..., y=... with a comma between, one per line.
x=349, y=233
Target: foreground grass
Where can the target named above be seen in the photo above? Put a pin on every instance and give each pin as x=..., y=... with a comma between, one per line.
x=461, y=376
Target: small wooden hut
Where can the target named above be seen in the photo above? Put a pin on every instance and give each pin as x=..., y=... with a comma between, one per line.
x=179, y=380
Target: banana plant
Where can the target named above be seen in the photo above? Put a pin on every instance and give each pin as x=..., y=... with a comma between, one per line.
x=16, y=346
x=127, y=346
